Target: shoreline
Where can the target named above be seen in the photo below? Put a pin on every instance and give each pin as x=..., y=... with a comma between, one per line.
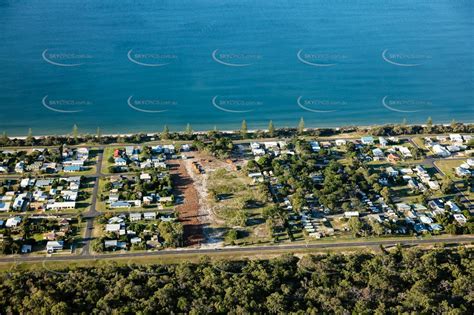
x=230, y=131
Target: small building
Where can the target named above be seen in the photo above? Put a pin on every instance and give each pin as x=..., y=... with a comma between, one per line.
x=367, y=140
x=351, y=214
x=460, y=218
x=72, y=168
x=52, y=246
x=383, y=142
x=135, y=217
x=25, y=249
x=149, y=215
x=441, y=151
x=13, y=222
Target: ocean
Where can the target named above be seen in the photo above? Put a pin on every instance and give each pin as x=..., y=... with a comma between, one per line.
x=135, y=66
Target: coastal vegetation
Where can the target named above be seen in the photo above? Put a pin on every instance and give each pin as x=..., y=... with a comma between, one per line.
x=391, y=282
x=76, y=137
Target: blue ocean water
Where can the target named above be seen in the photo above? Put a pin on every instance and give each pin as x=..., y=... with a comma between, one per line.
x=128, y=66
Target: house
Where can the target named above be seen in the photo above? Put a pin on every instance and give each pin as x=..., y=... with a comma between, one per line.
x=470, y=162
x=340, y=142
x=114, y=220
x=433, y=184
x=115, y=244
x=135, y=217
x=426, y=220
x=135, y=240
x=367, y=140
x=52, y=246
x=351, y=214
x=383, y=142
x=25, y=249
x=119, y=161
x=402, y=207
x=315, y=146
x=378, y=153
x=145, y=176
x=461, y=172
x=20, y=167
x=391, y=171
x=393, y=158
x=257, y=177
x=460, y=218
x=185, y=148
x=113, y=228
x=454, y=207
x=82, y=153
x=149, y=215
x=5, y=206
x=147, y=200
x=13, y=222
x=406, y=171
x=61, y=205
x=420, y=228
x=120, y=204
x=441, y=151
x=167, y=199
x=74, y=163
x=72, y=168
x=25, y=182
x=436, y=205
x=456, y=138
x=406, y=153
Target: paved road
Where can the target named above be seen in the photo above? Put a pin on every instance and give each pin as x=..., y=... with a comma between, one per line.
x=246, y=250
x=92, y=213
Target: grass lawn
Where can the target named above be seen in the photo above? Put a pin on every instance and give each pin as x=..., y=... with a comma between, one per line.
x=447, y=166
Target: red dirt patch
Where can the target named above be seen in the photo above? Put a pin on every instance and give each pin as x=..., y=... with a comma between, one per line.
x=188, y=210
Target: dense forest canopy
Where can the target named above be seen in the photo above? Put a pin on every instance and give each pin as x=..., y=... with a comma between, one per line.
x=399, y=281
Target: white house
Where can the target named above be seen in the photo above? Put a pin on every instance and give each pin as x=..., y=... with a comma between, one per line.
x=13, y=222
x=61, y=205
x=367, y=140
x=457, y=138
x=53, y=246
x=441, y=151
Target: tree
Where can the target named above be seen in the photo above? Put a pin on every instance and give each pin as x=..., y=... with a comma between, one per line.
x=188, y=130
x=99, y=135
x=271, y=129
x=429, y=124
x=29, y=139
x=385, y=193
x=75, y=132
x=301, y=126
x=355, y=225
x=243, y=129
x=4, y=139
x=166, y=133
x=447, y=186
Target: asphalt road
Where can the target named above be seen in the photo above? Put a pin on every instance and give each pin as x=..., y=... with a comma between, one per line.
x=92, y=213
x=243, y=250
